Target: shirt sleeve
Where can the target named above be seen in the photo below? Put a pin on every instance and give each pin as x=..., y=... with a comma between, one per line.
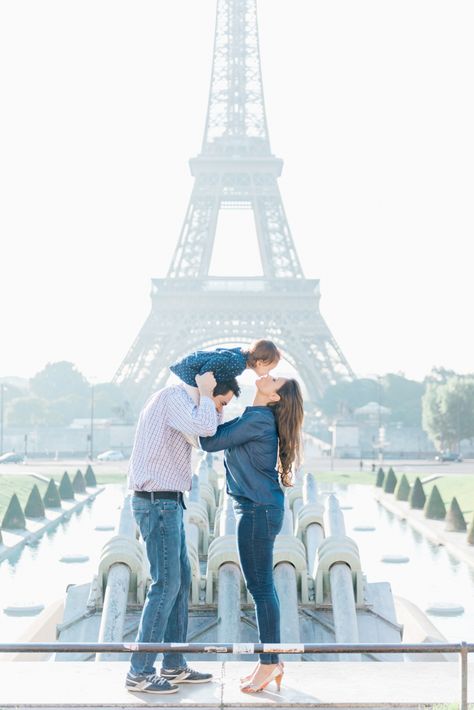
x=191, y=419
x=233, y=433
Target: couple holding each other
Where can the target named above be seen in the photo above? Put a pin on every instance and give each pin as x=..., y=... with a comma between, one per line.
x=261, y=447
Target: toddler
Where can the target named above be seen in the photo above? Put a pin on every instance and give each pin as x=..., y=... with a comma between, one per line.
x=226, y=363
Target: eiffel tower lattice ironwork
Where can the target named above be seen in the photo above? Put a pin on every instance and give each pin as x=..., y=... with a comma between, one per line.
x=235, y=169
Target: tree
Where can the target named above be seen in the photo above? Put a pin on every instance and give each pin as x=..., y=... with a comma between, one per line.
x=400, y=395
x=59, y=379
x=26, y=411
x=448, y=410
x=110, y=401
x=440, y=375
x=343, y=397
x=403, y=397
x=432, y=418
x=63, y=410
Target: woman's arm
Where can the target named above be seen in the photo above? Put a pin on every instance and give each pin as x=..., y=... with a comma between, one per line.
x=233, y=433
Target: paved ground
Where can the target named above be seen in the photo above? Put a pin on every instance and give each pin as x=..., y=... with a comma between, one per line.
x=354, y=685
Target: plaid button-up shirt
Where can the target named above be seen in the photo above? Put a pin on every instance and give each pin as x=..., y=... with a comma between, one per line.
x=161, y=455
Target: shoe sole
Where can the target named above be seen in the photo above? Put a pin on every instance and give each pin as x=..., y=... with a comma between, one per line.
x=204, y=680
x=152, y=692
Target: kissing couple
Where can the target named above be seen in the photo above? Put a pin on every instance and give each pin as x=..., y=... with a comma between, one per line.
x=261, y=447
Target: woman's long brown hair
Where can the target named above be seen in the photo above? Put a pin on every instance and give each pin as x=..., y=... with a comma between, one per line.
x=289, y=416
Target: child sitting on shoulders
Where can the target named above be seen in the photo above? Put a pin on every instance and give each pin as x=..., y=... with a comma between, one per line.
x=225, y=363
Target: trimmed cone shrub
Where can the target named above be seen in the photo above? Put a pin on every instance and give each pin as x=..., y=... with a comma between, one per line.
x=34, y=507
x=470, y=532
x=51, y=498
x=434, y=507
x=14, y=518
x=66, y=491
x=90, y=477
x=454, y=518
x=417, y=498
x=390, y=482
x=79, y=484
x=402, y=491
x=380, y=478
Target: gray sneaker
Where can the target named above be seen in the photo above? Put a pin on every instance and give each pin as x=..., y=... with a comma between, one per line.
x=185, y=675
x=149, y=684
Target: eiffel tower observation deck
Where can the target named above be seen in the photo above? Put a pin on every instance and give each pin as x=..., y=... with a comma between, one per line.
x=235, y=169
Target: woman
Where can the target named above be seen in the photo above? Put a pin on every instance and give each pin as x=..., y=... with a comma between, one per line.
x=268, y=434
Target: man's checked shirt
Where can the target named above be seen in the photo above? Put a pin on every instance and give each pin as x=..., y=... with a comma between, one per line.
x=161, y=455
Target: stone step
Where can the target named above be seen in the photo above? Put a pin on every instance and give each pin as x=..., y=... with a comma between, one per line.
x=308, y=685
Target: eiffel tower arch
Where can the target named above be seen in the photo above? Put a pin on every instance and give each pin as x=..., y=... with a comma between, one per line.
x=234, y=170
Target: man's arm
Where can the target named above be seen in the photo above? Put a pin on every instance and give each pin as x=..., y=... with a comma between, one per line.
x=233, y=433
x=191, y=419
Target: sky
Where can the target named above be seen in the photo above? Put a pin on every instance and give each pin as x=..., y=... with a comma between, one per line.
x=370, y=105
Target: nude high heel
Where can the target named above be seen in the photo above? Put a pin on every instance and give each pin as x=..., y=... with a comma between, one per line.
x=247, y=678
x=276, y=674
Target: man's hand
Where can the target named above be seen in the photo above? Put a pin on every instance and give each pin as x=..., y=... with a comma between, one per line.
x=206, y=384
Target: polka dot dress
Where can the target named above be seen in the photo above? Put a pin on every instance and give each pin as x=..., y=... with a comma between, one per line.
x=223, y=363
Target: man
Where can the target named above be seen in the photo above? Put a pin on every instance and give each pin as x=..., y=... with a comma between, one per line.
x=159, y=473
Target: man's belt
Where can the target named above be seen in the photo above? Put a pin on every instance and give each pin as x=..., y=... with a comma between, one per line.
x=161, y=495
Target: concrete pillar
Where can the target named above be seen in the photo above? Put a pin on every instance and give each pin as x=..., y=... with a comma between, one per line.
x=115, y=607
x=116, y=593
x=314, y=532
x=310, y=489
x=341, y=585
x=192, y=530
x=229, y=584
x=314, y=537
x=194, y=493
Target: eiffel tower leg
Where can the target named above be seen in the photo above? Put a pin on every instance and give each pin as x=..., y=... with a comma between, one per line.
x=279, y=256
x=194, y=251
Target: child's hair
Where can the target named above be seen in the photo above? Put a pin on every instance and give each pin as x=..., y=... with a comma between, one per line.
x=263, y=350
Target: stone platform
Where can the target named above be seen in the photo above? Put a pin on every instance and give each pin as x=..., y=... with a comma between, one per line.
x=317, y=685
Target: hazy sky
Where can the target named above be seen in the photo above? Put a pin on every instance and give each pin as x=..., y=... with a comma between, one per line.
x=369, y=103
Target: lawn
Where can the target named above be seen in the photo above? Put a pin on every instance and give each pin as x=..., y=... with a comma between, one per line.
x=22, y=483
x=449, y=485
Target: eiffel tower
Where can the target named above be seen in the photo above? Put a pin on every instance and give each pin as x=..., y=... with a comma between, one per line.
x=235, y=170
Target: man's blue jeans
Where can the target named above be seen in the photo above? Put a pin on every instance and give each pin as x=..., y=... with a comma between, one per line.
x=257, y=528
x=165, y=612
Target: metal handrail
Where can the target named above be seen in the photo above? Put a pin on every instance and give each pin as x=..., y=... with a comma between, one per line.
x=462, y=648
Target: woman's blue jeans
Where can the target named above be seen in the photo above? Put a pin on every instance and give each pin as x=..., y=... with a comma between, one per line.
x=165, y=612
x=257, y=528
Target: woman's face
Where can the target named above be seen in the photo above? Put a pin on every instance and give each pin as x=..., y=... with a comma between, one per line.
x=269, y=386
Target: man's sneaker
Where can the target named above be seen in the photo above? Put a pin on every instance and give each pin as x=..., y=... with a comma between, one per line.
x=149, y=684
x=185, y=675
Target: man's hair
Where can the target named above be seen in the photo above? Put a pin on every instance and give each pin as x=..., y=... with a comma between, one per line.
x=263, y=350
x=226, y=386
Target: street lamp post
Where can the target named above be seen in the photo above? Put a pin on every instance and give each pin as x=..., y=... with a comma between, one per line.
x=91, y=434
x=2, y=391
x=380, y=437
